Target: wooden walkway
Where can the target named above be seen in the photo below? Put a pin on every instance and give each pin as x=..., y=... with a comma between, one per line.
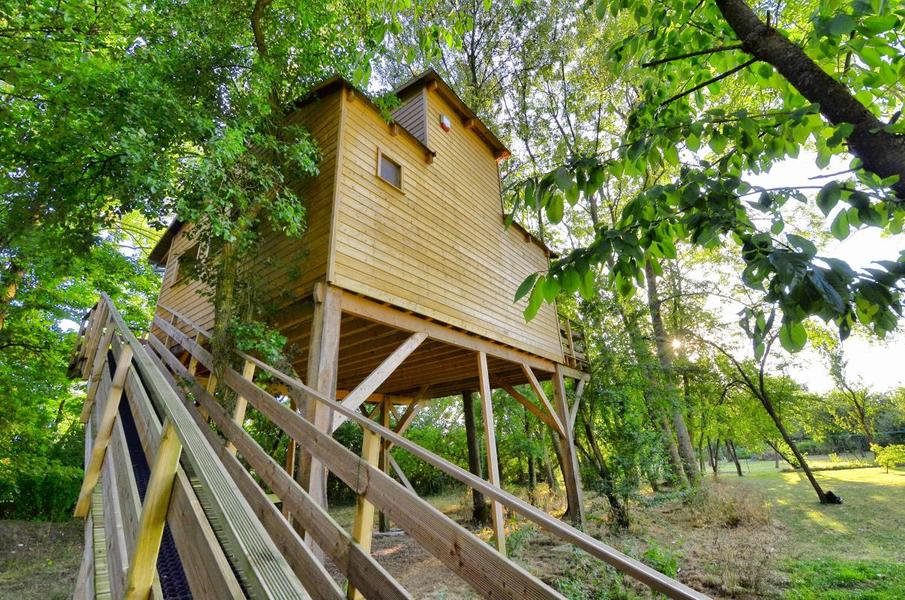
x=197, y=517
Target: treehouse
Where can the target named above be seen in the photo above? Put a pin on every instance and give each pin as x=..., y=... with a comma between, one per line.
x=400, y=291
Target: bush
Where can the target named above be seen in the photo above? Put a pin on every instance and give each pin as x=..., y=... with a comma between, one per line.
x=728, y=506
x=889, y=456
x=37, y=487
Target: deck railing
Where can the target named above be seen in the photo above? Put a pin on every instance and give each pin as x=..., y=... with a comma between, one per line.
x=264, y=546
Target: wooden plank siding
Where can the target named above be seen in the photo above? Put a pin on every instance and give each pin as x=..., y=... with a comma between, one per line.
x=412, y=115
x=438, y=247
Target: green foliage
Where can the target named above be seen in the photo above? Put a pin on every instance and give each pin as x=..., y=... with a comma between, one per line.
x=888, y=456
x=685, y=156
x=662, y=559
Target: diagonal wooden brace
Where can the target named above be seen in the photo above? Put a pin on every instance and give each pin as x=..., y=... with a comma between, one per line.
x=104, y=431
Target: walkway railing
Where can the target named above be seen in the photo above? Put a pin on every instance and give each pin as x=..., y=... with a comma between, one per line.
x=266, y=547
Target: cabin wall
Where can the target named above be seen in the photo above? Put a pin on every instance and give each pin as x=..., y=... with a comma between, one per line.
x=286, y=269
x=438, y=247
x=411, y=115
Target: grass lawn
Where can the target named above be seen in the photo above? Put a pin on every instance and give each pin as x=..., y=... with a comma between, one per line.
x=855, y=550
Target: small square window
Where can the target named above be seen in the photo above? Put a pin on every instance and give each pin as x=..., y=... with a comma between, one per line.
x=389, y=170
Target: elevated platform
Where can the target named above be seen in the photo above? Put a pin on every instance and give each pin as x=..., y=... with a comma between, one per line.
x=180, y=501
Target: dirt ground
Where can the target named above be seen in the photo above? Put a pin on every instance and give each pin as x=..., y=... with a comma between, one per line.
x=39, y=561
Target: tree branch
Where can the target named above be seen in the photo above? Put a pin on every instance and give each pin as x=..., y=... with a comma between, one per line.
x=708, y=82
x=661, y=61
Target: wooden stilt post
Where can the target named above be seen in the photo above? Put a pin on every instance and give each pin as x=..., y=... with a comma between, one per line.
x=363, y=526
x=154, y=509
x=383, y=463
x=493, y=466
x=248, y=372
x=571, y=474
x=323, y=359
x=290, y=453
x=104, y=431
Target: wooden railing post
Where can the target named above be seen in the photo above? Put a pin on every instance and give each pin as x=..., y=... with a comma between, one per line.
x=154, y=509
x=104, y=430
x=363, y=526
x=248, y=372
x=97, y=370
x=493, y=465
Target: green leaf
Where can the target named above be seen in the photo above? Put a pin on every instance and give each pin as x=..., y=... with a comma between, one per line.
x=586, y=288
x=555, y=208
x=534, y=303
x=550, y=288
x=840, y=226
x=570, y=281
x=828, y=196
x=805, y=245
x=525, y=286
x=793, y=336
x=841, y=24
x=879, y=23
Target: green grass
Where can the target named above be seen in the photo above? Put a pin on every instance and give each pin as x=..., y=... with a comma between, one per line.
x=854, y=550
x=844, y=580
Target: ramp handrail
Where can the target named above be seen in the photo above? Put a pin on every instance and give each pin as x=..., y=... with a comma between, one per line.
x=625, y=564
x=263, y=569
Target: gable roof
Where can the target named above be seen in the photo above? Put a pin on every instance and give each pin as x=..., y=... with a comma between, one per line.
x=468, y=117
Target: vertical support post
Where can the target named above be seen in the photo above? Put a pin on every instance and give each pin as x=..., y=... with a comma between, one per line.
x=493, y=465
x=363, y=526
x=97, y=371
x=99, y=318
x=104, y=431
x=323, y=360
x=290, y=452
x=248, y=372
x=571, y=474
x=385, y=407
x=154, y=509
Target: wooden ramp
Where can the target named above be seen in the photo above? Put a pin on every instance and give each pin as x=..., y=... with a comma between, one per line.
x=181, y=502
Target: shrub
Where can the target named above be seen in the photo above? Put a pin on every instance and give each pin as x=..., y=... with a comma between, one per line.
x=727, y=506
x=889, y=456
x=38, y=487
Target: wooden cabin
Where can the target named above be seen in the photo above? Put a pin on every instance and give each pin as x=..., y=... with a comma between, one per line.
x=400, y=291
x=406, y=236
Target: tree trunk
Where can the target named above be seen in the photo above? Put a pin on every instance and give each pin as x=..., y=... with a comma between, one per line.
x=880, y=151
x=480, y=514
x=768, y=405
x=618, y=510
x=686, y=450
x=532, y=469
x=730, y=450
x=10, y=284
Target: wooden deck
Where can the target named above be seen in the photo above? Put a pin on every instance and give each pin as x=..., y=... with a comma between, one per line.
x=229, y=537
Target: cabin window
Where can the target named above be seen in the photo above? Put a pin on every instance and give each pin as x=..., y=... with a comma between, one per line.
x=389, y=170
x=186, y=264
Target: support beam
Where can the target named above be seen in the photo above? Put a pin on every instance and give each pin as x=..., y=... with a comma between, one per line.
x=143, y=565
x=382, y=461
x=539, y=391
x=576, y=403
x=248, y=372
x=493, y=466
x=400, y=473
x=374, y=311
x=104, y=431
x=323, y=359
x=97, y=367
x=363, y=526
x=370, y=384
x=535, y=410
x=571, y=474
